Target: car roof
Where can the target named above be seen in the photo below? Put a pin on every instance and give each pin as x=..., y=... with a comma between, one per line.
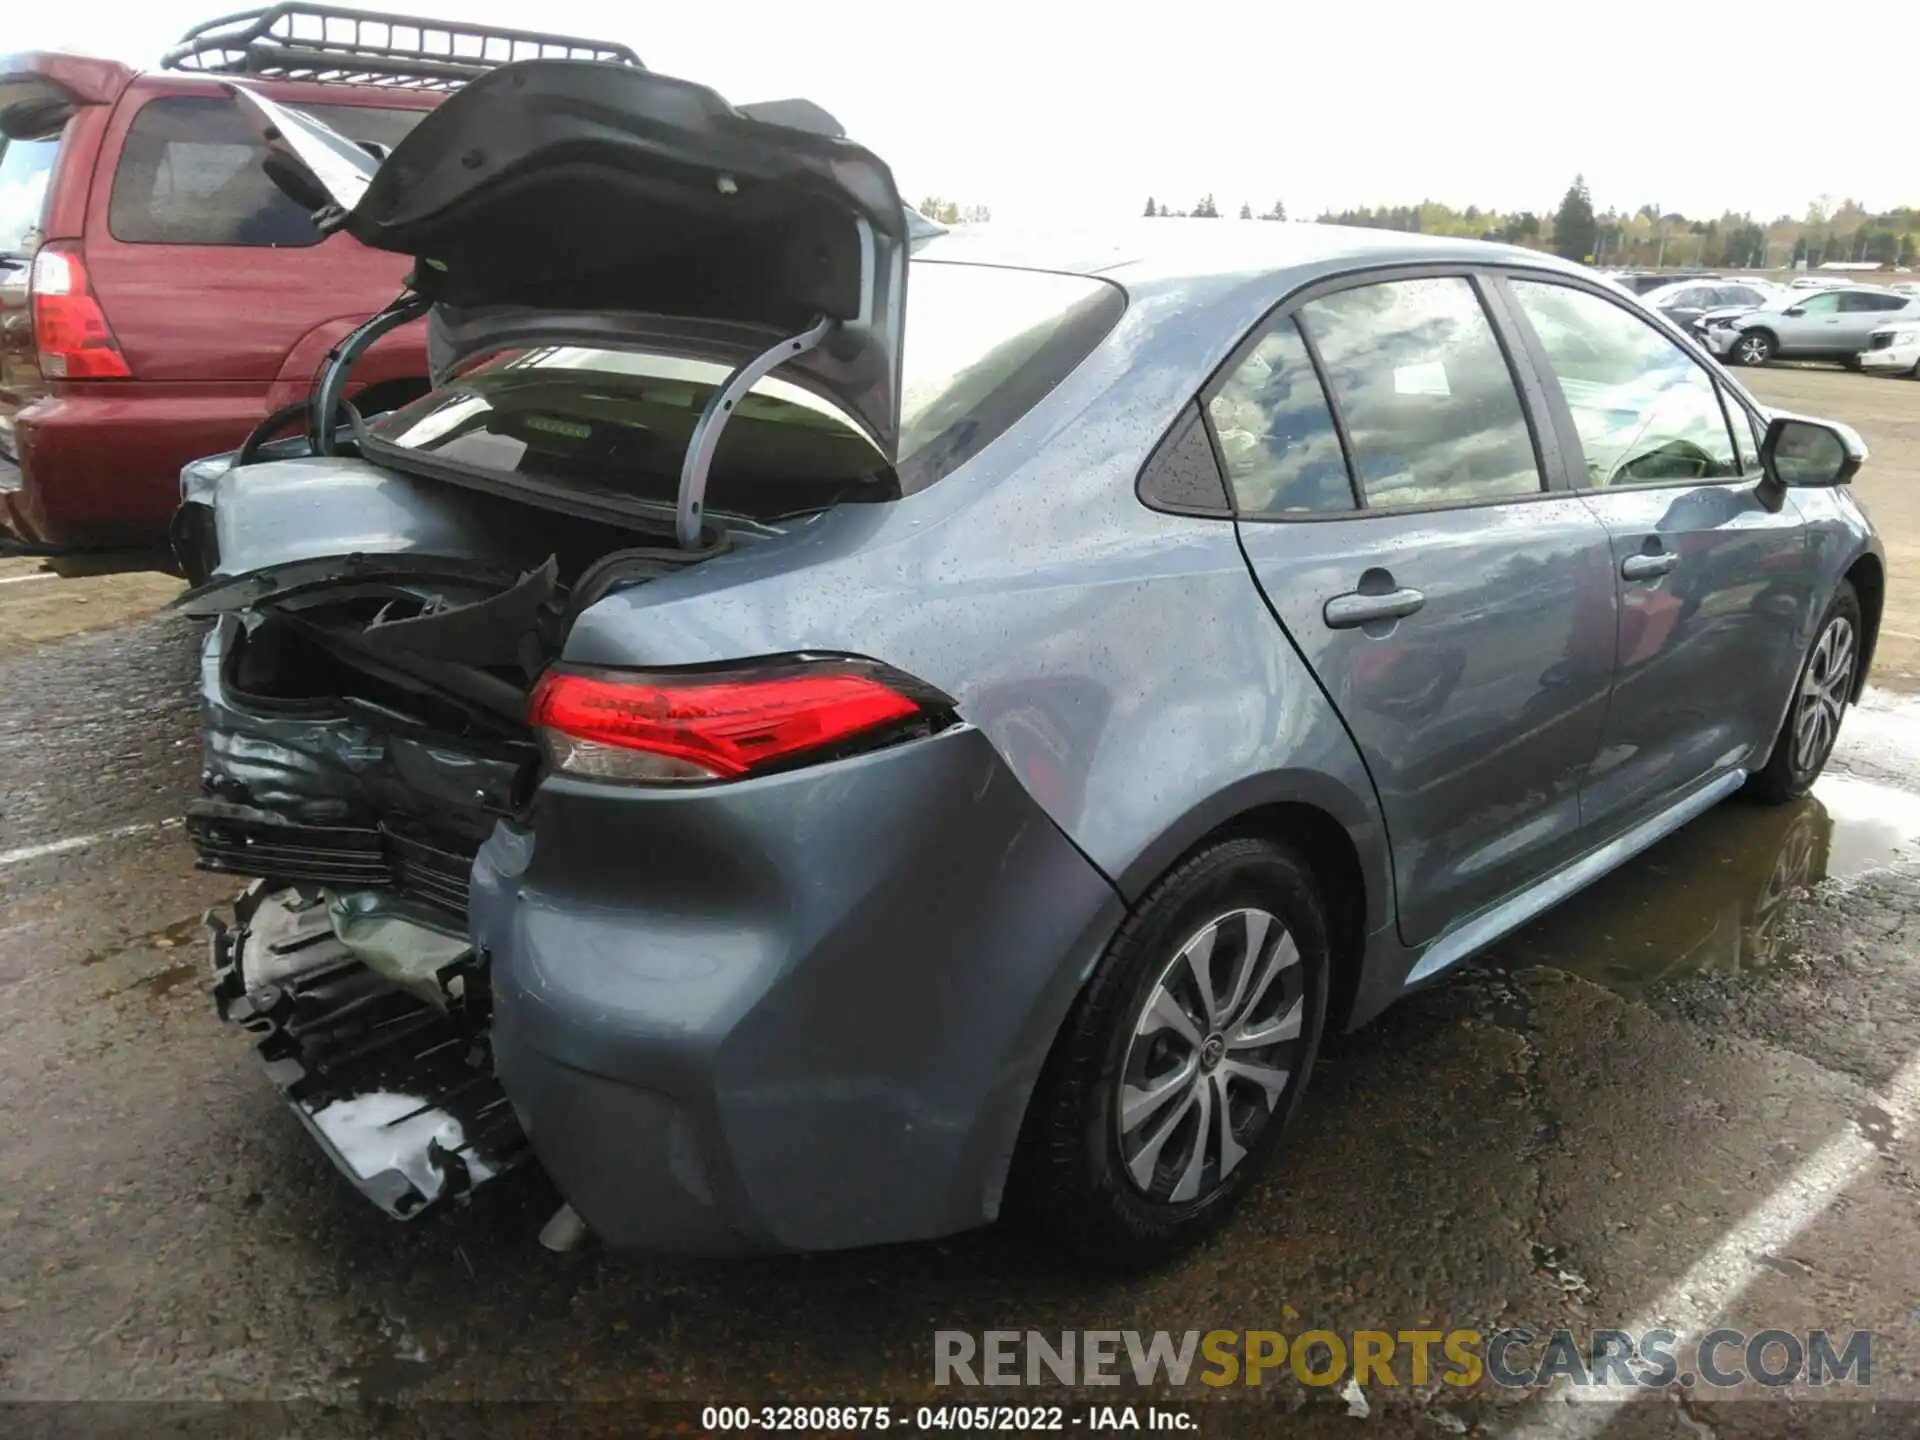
x=1167, y=251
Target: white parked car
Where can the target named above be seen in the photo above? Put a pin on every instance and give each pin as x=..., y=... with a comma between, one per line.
x=1894, y=349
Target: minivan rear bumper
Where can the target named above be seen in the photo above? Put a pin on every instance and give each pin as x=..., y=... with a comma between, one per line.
x=804, y=1011
x=100, y=463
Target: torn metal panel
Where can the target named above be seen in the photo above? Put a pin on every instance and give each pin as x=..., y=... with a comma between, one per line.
x=406, y=943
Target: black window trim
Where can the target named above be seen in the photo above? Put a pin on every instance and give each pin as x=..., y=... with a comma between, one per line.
x=1191, y=413
x=1527, y=391
x=1562, y=413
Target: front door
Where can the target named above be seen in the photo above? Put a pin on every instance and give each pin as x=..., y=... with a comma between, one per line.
x=1712, y=573
x=1458, y=613
x=1810, y=326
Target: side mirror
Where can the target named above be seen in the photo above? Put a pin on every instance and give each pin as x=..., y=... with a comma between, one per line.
x=1797, y=310
x=1799, y=452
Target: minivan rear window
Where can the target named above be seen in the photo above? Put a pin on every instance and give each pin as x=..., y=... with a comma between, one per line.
x=25, y=166
x=190, y=173
x=983, y=346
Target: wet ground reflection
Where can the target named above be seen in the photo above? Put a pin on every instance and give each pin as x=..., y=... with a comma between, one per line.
x=1713, y=896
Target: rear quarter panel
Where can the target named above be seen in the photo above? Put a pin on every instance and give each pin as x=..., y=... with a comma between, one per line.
x=1120, y=660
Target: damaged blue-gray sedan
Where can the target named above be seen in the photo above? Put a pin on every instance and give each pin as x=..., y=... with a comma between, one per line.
x=826, y=733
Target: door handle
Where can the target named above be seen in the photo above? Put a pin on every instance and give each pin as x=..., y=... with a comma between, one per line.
x=1648, y=567
x=1344, y=612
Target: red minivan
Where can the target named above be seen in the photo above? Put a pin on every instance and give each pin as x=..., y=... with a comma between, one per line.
x=159, y=294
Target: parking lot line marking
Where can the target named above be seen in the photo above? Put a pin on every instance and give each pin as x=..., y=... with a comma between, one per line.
x=1717, y=1279
x=78, y=842
x=35, y=575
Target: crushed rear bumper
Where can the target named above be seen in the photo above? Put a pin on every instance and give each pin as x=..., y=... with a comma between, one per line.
x=399, y=1092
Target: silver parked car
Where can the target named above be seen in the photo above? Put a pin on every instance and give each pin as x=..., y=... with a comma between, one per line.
x=1688, y=301
x=825, y=737
x=1828, y=324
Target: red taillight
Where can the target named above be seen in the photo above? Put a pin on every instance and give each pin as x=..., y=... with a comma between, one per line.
x=714, y=725
x=69, y=328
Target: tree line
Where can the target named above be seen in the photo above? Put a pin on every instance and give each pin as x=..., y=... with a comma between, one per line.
x=1648, y=236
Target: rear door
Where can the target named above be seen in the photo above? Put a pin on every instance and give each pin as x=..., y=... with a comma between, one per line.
x=1864, y=311
x=1457, y=610
x=206, y=271
x=1713, y=576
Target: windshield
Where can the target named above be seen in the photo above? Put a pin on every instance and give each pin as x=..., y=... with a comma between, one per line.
x=24, y=168
x=983, y=345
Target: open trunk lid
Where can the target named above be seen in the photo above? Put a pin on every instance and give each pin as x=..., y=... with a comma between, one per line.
x=716, y=233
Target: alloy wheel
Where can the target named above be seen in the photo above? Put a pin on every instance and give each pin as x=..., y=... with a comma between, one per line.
x=1752, y=351
x=1824, y=690
x=1213, y=1053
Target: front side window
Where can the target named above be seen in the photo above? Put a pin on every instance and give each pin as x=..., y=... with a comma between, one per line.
x=191, y=173
x=1430, y=406
x=1276, y=434
x=983, y=346
x=1646, y=413
x=1825, y=303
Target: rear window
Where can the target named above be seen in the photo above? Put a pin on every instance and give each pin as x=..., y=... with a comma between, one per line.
x=190, y=173
x=983, y=346
x=25, y=166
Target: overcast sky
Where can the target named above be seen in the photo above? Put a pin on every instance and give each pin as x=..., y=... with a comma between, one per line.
x=1037, y=108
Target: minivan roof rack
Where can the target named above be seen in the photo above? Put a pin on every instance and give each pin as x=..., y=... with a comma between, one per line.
x=332, y=45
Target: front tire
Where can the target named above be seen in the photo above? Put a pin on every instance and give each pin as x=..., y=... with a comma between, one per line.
x=1820, y=697
x=1754, y=347
x=1183, y=1061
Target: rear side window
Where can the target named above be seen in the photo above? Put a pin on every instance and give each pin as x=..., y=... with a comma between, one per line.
x=1276, y=434
x=1861, y=300
x=25, y=166
x=190, y=173
x=1431, y=409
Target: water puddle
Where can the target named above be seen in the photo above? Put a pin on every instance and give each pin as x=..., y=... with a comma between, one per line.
x=1713, y=896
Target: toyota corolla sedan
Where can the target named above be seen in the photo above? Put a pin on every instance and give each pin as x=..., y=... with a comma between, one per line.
x=825, y=736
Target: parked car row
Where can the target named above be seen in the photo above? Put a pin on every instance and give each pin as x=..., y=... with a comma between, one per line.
x=1747, y=320
x=1837, y=323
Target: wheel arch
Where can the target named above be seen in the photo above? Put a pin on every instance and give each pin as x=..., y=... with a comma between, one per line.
x=1868, y=576
x=1336, y=833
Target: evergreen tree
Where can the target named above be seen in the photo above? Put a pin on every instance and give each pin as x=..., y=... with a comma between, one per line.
x=1574, y=228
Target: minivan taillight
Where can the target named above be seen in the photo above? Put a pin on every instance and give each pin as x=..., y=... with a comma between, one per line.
x=668, y=727
x=70, y=330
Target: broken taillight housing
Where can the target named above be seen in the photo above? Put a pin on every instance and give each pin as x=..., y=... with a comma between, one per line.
x=675, y=727
x=70, y=330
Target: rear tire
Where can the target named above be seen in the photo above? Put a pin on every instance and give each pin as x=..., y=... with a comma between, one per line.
x=1754, y=347
x=1821, y=692
x=1162, y=1102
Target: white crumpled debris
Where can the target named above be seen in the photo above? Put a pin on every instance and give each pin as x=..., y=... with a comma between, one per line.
x=372, y=1138
x=1356, y=1399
